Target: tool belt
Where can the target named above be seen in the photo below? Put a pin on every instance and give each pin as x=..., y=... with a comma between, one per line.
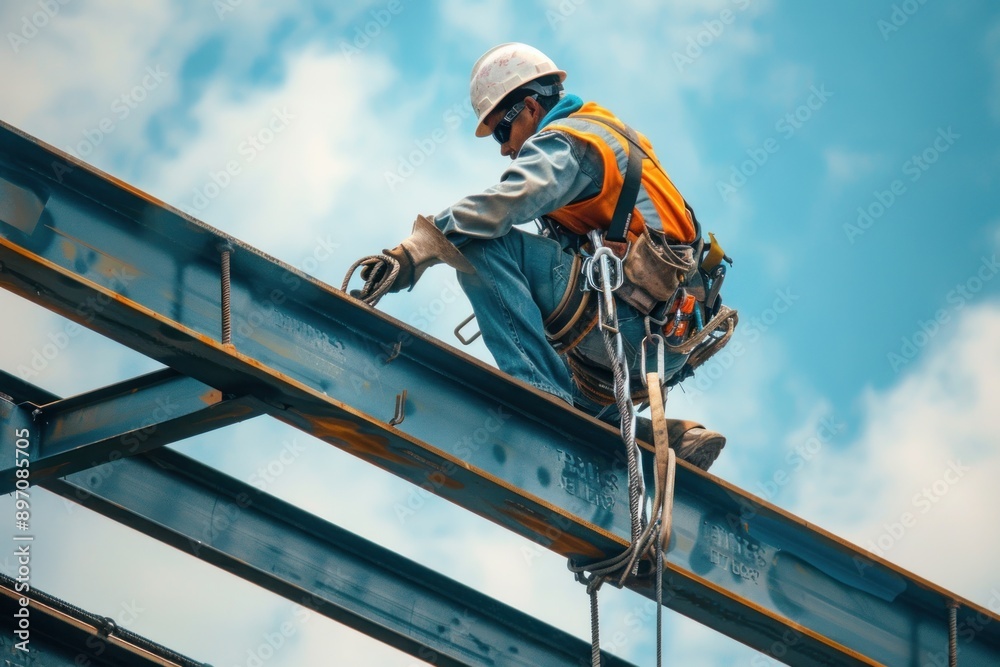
x=597, y=382
x=658, y=275
x=577, y=314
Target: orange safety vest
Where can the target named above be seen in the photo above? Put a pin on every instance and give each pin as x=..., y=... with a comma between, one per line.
x=657, y=194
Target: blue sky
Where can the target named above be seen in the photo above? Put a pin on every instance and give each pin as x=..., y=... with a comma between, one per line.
x=846, y=154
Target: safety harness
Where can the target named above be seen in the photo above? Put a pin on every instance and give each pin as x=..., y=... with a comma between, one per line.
x=678, y=290
x=656, y=277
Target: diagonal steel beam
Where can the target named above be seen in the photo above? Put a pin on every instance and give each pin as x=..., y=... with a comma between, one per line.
x=118, y=421
x=314, y=563
x=240, y=529
x=146, y=275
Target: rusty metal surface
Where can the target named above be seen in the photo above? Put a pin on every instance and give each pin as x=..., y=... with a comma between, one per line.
x=148, y=276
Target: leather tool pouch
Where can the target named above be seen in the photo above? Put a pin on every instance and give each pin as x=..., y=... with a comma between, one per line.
x=654, y=269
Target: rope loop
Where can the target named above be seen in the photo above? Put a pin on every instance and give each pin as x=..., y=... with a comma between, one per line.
x=379, y=271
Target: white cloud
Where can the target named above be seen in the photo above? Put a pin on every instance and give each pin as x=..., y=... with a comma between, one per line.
x=925, y=457
x=279, y=167
x=57, y=99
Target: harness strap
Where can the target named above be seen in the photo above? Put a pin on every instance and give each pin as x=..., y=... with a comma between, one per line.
x=570, y=307
x=622, y=217
x=575, y=315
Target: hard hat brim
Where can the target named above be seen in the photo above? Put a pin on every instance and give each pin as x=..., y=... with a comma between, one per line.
x=483, y=131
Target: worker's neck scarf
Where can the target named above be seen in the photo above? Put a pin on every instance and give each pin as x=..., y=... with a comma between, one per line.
x=567, y=105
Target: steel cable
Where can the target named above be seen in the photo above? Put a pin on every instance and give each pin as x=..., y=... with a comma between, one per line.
x=649, y=538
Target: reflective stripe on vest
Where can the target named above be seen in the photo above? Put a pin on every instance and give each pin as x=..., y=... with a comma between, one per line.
x=659, y=204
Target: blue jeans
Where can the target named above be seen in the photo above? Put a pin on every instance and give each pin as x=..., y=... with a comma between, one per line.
x=519, y=280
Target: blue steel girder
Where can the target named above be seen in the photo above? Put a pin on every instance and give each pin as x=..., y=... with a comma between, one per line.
x=240, y=529
x=144, y=274
x=318, y=565
x=118, y=421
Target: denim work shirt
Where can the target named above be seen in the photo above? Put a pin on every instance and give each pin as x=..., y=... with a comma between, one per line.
x=551, y=170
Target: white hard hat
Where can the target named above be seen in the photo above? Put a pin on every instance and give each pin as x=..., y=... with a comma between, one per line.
x=502, y=70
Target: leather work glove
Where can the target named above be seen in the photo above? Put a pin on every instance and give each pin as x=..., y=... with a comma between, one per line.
x=423, y=248
x=377, y=272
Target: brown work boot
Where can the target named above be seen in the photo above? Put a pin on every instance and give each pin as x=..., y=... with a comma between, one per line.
x=691, y=441
x=699, y=446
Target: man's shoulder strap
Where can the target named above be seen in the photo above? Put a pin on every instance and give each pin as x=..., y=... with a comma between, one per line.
x=622, y=217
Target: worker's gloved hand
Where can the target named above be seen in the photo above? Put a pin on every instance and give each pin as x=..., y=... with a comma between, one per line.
x=377, y=272
x=424, y=247
x=407, y=275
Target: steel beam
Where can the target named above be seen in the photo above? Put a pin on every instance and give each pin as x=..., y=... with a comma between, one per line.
x=240, y=529
x=142, y=273
x=118, y=421
x=316, y=564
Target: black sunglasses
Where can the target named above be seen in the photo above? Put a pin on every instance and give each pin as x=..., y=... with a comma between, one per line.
x=502, y=131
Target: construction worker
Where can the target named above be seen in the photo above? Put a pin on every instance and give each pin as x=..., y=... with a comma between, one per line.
x=568, y=170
